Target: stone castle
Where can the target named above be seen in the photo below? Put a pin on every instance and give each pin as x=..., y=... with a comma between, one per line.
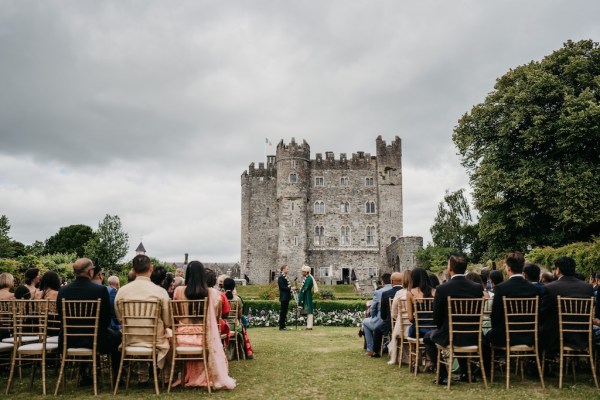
x=341, y=217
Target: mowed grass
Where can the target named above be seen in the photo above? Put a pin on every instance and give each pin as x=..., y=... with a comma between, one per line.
x=328, y=363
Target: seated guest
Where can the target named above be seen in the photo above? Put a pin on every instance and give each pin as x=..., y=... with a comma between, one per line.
x=131, y=276
x=113, y=288
x=435, y=281
x=180, y=273
x=7, y=283
x=211, y=281
x=82, y=288
x=159, y=274
x=196, y=289
x=531, y=272
x=232, y=296
x=220, y=280
x=49, y=286
x=396, y=315
x=142, y=288
x=546, y=278
x=567, y=285
x=22, y=293
x=457, y=287
x=32, y=278
x=485, y=277
x=421, y=289
x=374, y=320
x=168, y=284
x=178, y=281
x=386, y=316
x=496, y=278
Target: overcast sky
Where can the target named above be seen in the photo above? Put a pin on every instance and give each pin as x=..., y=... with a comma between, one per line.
x=152, y=110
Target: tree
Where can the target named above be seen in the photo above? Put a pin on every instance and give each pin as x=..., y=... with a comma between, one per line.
x=452, y=226
x=532, y=151
x=6, y=246
x=109, y=244
x=69, y=239
x=36, y=248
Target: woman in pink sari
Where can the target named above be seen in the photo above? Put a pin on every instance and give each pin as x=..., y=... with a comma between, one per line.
x=218, y=369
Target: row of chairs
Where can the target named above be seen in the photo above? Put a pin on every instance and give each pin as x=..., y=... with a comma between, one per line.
x=34, y=326
x=465, y=319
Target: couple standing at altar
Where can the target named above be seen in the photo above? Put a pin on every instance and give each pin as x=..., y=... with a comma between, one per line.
x=304, y=297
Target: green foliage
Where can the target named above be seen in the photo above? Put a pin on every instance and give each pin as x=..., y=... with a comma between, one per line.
x=6, y=247
x=326, y=294
x=9, y=266
x=109, y=244
x=62, y=264
x=70, y=239
x=531, y=150
x=271, y=292
x=585, y=254
x=452, y=226
x=434, y=258
x=37, y=248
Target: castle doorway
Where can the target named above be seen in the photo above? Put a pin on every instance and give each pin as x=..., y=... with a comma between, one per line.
x=346, y=276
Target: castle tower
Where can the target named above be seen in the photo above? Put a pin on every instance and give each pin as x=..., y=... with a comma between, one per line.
x=293, y=182
x=389, y=177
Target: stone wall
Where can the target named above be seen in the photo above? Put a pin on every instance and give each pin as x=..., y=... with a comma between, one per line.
x=401, y=255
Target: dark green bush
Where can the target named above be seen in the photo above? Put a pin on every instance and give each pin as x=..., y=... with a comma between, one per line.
x=585, y=254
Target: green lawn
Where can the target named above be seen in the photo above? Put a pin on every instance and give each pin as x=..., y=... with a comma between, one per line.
x=327, y=363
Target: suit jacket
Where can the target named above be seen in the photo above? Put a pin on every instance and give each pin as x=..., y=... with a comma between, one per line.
x=114, y=322
x=460, y=288
x=285, y=291
x=566, y=286
x=375, y=310
x=85, y=289
x=385, y=307
x=513, y=287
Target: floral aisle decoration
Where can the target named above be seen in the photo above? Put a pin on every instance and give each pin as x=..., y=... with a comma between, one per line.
x=270, y=318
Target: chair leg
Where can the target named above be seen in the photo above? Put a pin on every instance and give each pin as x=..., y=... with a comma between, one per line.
x=44, y=374
x=33, y=368
x=155, y=377
x=450, y=361
x=560, y=369
x=469, y=369
x=593, y=366
x=507, y=369
x=95, y=375
x=492, y=364
x=119, y=375
x=400, y=352
x=539, y=367
x=60, y=376
x=482, y=368
x=437, y=369
x=10, y=376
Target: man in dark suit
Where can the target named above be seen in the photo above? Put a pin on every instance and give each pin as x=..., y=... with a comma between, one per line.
x=386, y=317
x=285, y=294
x=567, y=285
x=456, y=287
x=82, y=288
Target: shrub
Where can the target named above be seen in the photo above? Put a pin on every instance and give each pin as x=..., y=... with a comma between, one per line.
x=585, y=254
x=327, y=294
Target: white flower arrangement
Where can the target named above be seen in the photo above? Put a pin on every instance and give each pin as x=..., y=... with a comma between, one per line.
x=331, y=318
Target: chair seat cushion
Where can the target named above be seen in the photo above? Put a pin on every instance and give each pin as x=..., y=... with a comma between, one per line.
x=6, y=347
x=79, y=351
x=24, y=339
x=578, y=349
x=138, y=351
x=52, y=339
x=521, y=347
x=189, y=349
x=466, y=349
x=36, y=348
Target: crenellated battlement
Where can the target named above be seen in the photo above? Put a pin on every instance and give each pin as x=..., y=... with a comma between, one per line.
x=384, y=150
x=293, y=149
x=359, y=160
x=261, y=172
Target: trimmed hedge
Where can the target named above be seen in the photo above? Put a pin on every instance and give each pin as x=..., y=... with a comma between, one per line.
x=585, y=254
x=321, y=305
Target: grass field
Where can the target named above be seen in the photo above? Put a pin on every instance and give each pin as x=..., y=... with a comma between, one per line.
x=328, y=363
x=253, y=292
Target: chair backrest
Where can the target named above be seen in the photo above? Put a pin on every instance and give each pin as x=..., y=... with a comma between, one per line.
x=6, y=318
x=139, y=321
x=54, y=322
x=423, y=314
x=521, y=320
x=189, y=317
x=403, y=317
x=391, y=302
x=30, y=318
x=575, y=317
x=232, y=317
x=465, y=318
x=80, y=323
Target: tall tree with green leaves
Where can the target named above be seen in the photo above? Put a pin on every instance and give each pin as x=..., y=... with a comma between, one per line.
x=532, y=150
x=452, y=226
x=6, y=246
x=69, y=239
x=109, y=244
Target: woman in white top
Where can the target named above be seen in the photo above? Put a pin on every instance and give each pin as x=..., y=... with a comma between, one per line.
x=398, y=312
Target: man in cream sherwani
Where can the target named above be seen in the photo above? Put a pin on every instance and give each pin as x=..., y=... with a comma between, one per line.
x=142, y=288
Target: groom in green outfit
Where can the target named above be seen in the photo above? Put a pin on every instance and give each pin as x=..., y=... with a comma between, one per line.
x=305, y=296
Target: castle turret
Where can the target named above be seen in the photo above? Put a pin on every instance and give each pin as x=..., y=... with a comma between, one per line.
x=293, y=182
x=389, y=177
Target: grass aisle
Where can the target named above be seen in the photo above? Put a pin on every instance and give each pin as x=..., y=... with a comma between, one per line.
x=327, y=363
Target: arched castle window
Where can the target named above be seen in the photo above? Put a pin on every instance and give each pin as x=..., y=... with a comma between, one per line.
x=392, y=239
x=344, y=207
x=370, y=207
x=344, y=181
x=319, y=235
x=345, y=235
x=319, y=207
x=293, y=178
x=370, y=235
x=368, y=181
x=319, y=181
x=293, y=163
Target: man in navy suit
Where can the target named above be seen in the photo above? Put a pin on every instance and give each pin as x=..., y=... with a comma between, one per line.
x=456, y=287
x=285, y=295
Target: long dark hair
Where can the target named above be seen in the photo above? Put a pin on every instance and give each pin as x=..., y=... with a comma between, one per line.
x=420, y=280
x=195, y=281
x=50, y=280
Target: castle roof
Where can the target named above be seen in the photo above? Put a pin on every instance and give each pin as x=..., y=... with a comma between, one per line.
x=140, y=248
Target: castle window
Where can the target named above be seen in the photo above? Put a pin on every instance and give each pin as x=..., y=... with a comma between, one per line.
x=293, y=163
x=345, y=235
x=344, y=207
x=319, y=207
x=293, y=178
x=295, y=240
x=325, y=271
x=370, y=235
x=319, y=235
x=392, y=239
x=292, y=206
x=370, y=207
x=319, y=181
x=372, y=271
x=369, y=181
x=268, y=212
x=344, y=181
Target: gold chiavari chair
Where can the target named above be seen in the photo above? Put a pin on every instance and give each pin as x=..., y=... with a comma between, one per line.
x=465, y=318
x=423, y=316
x=139, y=324
x=575, y=317
x=403, y=321
x=521, y=327
x=189, y=322
x=234, y=324
x=80, y=323
x=30, y=318
x=6, y=329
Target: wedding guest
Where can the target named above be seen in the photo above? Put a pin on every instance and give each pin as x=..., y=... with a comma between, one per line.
x=113, y=287
x=221, y=302
x=197, y=288
x=386, y=316
x=32, y=278
x=546, y=278
x=305, y=296
x=398, y=312
x=421, y=289
x=531, y=272
x=22, y=293
x=168, y=284
x=131, y=276
x=180, y=273
x=220, y=279
x=374, y=320
x=178, y=281
x=232, y=296
x=159, y=274
x=496, y=278
x=435, y=281
x=49, y=286
x=7, y=282
x=285, y=295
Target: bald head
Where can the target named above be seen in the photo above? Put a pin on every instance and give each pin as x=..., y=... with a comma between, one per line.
x=82, y=267
x=396, y=279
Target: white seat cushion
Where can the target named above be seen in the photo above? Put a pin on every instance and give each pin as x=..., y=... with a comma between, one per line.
x=466, y=349
x=24, y=339
x=521, y=347
x=35, y=348
x=81, y=351
x=6, y=347
x=52, y=339
x=138, y=351
x=189, y=349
